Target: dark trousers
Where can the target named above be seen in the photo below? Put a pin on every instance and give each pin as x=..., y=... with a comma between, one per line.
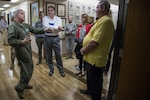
x=94, y=81
x=79, y=56
x=53, y=43
x=40, y=42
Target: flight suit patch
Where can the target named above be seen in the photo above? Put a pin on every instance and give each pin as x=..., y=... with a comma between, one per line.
x=10, y=29
x=27, y=30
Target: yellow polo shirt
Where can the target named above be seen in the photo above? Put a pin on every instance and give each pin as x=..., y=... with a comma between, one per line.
x=102, y=32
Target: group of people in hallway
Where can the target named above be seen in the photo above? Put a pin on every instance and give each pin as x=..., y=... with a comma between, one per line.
x=93, y=43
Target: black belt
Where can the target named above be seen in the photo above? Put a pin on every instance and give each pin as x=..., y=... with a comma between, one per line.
x=51, y=35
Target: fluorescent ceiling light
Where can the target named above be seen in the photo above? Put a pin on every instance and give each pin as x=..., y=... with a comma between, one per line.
x=1, y=8
x=6, y=5
x=14, y=0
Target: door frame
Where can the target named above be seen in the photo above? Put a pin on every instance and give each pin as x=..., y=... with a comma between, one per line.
x=118, y=49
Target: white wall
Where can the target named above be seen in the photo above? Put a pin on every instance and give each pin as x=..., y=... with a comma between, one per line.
x=114, y=8
x=89, y=2
x=23, y=6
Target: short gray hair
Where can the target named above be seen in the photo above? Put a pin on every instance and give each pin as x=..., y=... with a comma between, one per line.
x=16, y=12
x=106, y=4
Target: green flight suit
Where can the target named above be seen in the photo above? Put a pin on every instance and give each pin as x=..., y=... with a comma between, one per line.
x=16, y=33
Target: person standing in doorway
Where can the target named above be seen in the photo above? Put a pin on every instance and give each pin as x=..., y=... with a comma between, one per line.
x=70, y=31
x=39, y=37
x=4, y=26
x=52, y=40
x=19, y=38
x=96, y=47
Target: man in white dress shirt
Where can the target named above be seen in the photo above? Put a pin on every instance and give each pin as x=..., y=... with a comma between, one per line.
x=52, y=40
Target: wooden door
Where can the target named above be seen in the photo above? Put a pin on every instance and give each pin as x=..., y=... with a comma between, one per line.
x=134, y=77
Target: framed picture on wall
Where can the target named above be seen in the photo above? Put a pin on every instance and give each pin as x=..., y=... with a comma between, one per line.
x=77, y=9
x=50, y=4
x=88, y=9
x=93, y=10
x=63, y=21
x=71, y=5
x=34, y=13
x=83, y=9
x=61, y=10
x=77, y=19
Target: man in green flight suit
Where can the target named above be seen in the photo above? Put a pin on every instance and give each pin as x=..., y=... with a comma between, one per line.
x=19, y=37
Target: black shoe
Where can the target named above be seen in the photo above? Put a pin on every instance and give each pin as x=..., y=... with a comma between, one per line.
x=38, y=63
x=50, y=73
x=20, y=93
x=29, y=86
x=71, y=57
x=67, y=57
x=62, y=73
x=12, y=66
x=85, y=92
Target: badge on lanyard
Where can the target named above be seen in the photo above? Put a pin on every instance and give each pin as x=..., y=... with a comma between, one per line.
x=51, y=24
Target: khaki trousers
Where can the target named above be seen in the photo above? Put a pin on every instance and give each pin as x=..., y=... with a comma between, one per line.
x=4, y=37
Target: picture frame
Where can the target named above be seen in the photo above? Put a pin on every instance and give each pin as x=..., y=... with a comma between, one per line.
x=88, y=9
x=77, y=19
x=63, y=22
x=78, y=8
x=93, y=10
x=71, y=6
x=50, y=4
x=83, y=9
x=61, y=10
x=33, y=13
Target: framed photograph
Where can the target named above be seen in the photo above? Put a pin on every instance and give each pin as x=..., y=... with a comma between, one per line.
x=77, y=19
x=77, y=9
x=61, y=10
x=71, y=13
x=50, y=4
x=83, y=9
x=71, y=5
x=88, y=9
x=93, y=10
x=34, y=13
x=63, y=21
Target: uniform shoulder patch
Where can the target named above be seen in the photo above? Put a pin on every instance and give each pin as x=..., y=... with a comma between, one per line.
x=10, y=29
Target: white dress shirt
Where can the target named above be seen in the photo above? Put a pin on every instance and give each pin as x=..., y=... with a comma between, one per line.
x=52, y=23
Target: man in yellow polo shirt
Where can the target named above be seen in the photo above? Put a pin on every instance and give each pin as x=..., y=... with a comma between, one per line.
x=96, y=46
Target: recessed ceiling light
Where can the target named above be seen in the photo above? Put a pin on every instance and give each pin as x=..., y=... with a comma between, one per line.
x=6, y=5
x=1, y=8
x=14, y=0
